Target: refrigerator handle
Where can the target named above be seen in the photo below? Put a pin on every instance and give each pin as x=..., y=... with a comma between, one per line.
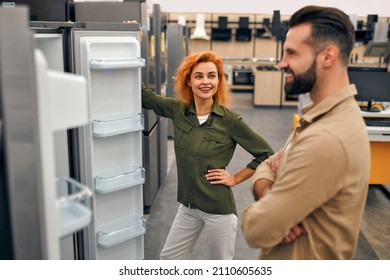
x=103, y=64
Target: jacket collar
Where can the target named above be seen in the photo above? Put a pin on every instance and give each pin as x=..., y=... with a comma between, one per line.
x=217, y=109
x=311, y=112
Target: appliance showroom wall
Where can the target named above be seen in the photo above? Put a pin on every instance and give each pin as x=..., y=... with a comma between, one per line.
x=360, y=8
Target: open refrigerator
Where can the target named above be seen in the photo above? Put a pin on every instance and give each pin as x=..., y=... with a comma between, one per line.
x=38, y=101
x=71, y=127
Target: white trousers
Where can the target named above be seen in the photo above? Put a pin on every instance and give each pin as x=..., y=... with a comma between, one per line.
x=221, y=233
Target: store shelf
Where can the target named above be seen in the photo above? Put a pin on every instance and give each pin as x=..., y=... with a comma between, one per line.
x=118, y=179
x=119, y=124
x=73, y=211
x=120, y=231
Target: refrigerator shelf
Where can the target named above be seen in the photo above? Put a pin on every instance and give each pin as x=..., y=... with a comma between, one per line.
x=120, y=231
x=73, y=211
x=118, y=124
x=112, y=64
x=118, y=179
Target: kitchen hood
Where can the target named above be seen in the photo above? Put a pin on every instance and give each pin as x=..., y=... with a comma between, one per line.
x=200, y=31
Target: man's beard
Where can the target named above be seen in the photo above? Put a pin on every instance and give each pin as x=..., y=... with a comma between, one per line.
x=302, y=83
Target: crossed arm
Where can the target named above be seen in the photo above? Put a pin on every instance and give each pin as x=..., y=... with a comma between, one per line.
x=262, y=186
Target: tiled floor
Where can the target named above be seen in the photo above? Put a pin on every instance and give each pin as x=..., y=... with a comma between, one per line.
x=376, y=222
x=274, y=125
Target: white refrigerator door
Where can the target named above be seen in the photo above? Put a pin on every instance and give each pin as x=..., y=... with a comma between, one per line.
x=62, y=104
x=113, y=144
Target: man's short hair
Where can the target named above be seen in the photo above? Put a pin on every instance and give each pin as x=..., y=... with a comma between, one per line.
x=329, y=25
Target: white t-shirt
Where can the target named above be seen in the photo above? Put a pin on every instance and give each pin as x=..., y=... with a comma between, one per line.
x=203, y=118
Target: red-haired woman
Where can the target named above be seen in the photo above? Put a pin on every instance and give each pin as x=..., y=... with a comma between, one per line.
x=206, y=133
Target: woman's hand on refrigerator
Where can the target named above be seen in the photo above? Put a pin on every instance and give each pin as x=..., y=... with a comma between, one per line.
x=135, y=22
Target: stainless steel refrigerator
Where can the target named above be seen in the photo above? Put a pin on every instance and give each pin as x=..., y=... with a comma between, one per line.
x=177, y=45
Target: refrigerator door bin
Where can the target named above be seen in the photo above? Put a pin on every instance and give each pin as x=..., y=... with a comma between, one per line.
x=112, y=64
x=120, y=231
x=118, y=179
x=118, y=124
x=73, y=208
x=73, y=217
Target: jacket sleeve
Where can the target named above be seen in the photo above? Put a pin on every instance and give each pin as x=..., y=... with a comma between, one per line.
x=252, y=142
x=162, y=106
x=263, y=171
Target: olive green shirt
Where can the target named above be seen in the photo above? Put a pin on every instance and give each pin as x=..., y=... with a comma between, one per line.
x=210, y=145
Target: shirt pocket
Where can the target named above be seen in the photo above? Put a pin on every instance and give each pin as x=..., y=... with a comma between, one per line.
x=182, y=134
x=213, y=143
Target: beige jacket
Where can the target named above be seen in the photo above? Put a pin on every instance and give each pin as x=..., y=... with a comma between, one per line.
x=322, y=183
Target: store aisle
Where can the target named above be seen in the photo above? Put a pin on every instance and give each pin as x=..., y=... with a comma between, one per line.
x=274, y=125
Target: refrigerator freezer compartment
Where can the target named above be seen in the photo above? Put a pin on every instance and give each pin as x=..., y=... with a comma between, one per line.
x=72, y=205
x=118, y=124
x=120, y=231
x=112, y=64
x=119, y=178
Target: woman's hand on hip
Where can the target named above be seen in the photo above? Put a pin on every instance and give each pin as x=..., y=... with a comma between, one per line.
x=221, y=176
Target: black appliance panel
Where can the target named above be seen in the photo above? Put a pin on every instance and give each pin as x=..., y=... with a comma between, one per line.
x=45, y=10
x=243, y=76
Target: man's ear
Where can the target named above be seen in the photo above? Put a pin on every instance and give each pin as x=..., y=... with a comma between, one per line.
x=329, y=55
